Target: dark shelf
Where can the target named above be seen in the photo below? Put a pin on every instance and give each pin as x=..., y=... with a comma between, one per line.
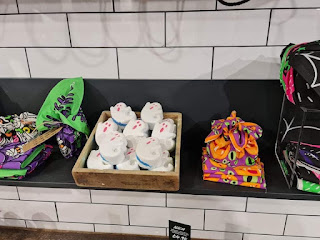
x=56, y=173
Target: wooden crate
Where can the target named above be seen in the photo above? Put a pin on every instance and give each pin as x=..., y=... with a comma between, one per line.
x=128, y=179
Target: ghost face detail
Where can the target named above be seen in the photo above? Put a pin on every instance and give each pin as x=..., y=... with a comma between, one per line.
x=122, y=114
x=134, y=131
x=112, y=147
x=105, y=127
x=165, y=132
x=152, y=113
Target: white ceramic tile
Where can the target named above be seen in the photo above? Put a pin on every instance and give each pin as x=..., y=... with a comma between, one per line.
x=130, y=230
x=71, y=62
x=13, y=63
x=159, y=217
x=254, y=4
x=165, y=63
x=28, y=210
x=283, y=206
x=8, y=192
x=32, y=30
x=294, y=26
x=54, y=194
x=39, y=6
x=215, y=235
x=246, y=62
x=206, y=202
x=272, y=237
x=117, y=30
x=307, y=226
x=217, y=28
x=128, y=198
x=93, y=213
x=8, y=6
x=244, y=222
x=163, y=5
x=12, y=223
x=61, y=226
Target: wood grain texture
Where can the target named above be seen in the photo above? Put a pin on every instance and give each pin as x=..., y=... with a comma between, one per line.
x=125, y=179
x=14, y=233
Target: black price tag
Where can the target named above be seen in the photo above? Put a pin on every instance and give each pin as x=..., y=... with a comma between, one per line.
x=179, y=231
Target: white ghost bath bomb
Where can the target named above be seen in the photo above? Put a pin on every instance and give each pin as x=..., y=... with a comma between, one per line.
x=122, y=114
x=150, y=154
x=167, y=163
x=152, y=113
x=104, y=127
x=165, y=131
x=95, y=161
x=112, y=147
x=134, y=131
x=130, y=162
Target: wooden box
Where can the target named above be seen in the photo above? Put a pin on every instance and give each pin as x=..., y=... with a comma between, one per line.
x=128, y=179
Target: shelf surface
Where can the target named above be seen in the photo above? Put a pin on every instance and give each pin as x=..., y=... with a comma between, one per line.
x=199, y=101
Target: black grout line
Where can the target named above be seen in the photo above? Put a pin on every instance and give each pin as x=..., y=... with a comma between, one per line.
x=129, y=215
x=25, y=223
x=44, y=47
x=285, y=224
x=204, y=219
x=173, y=11
x=17, y=6
x=55, y=206
x=166, y=205
x=216, y=4
x=165, y=29
x=94, y=227
x=69, y=29
x=18, y=193
x=25, y=50
x=118, y=67
x=242, y=236
x=268, y=32
x=212, y=63
x=246, y=205
x=90, y=196
x=113, y=7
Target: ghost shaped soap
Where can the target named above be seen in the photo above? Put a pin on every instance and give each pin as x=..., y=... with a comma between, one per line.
x=152, y=113
x=167, y=165
x=104, y=127
x=130, y=162
x=95, y=161
x=112, y=147
x=165, y=131
x=134, y=131
x=121, y=114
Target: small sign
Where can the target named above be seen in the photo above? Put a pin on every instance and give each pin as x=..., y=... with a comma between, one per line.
x=41, y=139
x=179, y=231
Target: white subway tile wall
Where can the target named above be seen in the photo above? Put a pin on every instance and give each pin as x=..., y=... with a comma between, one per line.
x=130, y=230
x=159, y=217
x=283, y=206
x=54, y=194
x=32, y=210
x=244, y=222
x=92, y=213
x=165, y=63
x=307, y=226
x=154, y=39
x=129, y=198
x=73, y=62
x=206, y=202
x=8, y=192
x=39, y=6
x=61, y=226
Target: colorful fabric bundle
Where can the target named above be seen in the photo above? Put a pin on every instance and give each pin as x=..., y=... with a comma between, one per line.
x=16, y=164
x=307, y=165
x=62, y=108
x=231, y=154
x=299, y=74
x=17, y=128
